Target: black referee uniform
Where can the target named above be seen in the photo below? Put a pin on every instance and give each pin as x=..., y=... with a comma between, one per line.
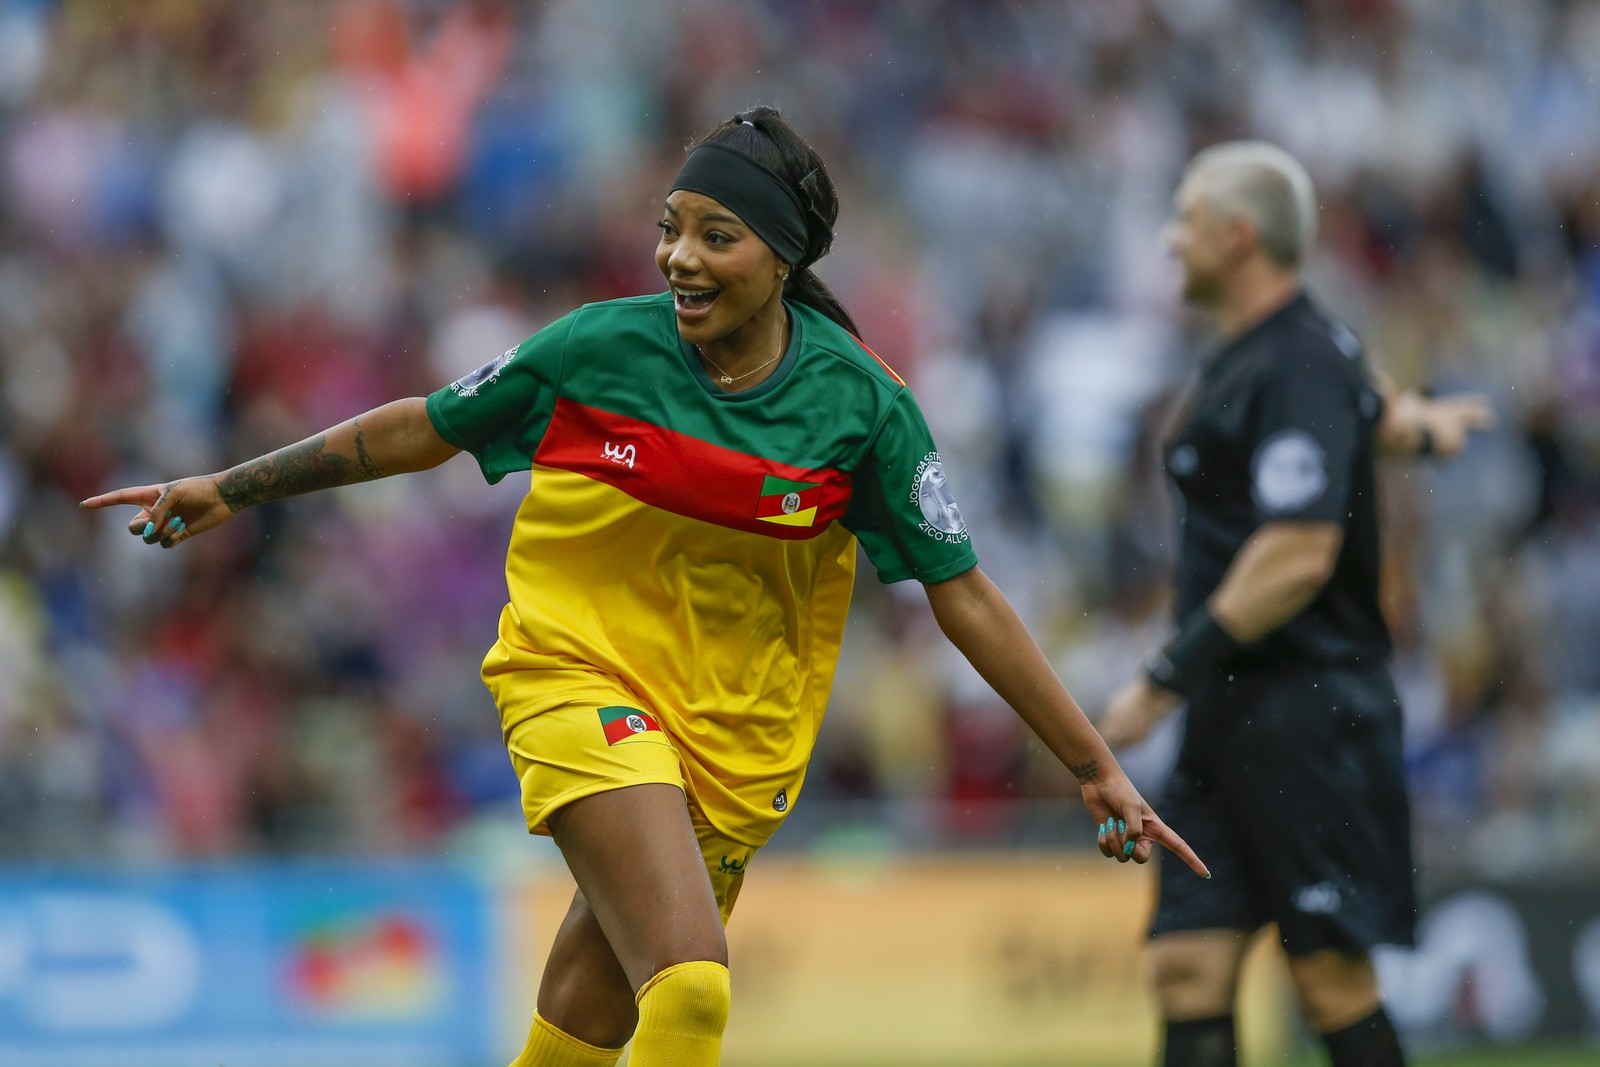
x=1289, y=779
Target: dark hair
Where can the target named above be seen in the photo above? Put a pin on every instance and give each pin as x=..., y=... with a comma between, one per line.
x=762, y=134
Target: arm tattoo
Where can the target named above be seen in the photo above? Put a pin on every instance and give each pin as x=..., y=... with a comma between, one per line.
x=1086, y=772
x=299, y=468
x=366, y=470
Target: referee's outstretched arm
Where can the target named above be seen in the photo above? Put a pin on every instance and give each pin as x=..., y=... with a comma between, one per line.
x=1413, y=424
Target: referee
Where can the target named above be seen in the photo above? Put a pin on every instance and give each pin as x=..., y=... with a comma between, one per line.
x=1289, y=777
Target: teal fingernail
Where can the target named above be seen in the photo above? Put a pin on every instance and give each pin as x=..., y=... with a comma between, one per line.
x=149, y=528
x=174, y=522
x=1127, y=850
x=1122, y=827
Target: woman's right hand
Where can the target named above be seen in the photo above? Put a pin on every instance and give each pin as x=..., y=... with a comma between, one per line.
x=172, y=513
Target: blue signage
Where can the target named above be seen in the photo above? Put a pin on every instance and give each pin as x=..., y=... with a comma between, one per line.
x=298, y=966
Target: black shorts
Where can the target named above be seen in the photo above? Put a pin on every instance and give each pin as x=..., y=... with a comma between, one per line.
x=1290, y=787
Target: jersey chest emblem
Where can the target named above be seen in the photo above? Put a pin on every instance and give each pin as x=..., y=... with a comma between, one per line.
x=788, y=503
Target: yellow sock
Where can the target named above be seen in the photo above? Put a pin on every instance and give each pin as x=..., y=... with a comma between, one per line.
x=682, y=1012
x=549, y=1046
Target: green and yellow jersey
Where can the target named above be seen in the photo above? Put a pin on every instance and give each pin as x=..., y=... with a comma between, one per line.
x=699, y=546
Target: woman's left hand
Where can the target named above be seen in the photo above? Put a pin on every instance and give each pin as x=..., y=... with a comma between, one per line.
x=1128, y=828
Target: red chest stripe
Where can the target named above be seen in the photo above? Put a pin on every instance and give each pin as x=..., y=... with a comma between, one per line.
x=683, y=474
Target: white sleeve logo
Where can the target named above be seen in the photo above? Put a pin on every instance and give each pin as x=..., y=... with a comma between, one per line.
x=1290, y=471
x=931, y=493
x=469, y=384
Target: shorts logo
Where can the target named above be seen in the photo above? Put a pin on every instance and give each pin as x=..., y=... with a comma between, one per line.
x=469, y=384
x=621, y=723
x=780, y=802
x=732, y=866
x=931, y=493
x=1320, y=899
x=1290, y=471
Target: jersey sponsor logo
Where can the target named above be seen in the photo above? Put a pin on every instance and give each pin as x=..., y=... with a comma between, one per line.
x=626, y=454
x=1291, y=470
x=1319, y=899
x=780, y=800
x=621, y=723
x=788, y=503
x=931, y=493
x=469, y=384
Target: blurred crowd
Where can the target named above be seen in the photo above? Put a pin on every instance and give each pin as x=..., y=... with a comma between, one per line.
x=224, y=226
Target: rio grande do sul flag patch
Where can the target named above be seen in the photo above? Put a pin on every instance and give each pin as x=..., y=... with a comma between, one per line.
x=621, y=723
x=788, y=503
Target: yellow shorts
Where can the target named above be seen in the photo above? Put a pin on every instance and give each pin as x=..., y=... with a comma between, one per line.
x=572, y=734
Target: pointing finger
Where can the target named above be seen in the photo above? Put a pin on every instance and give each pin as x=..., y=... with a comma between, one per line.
x=143, y=495
x=1162, y=834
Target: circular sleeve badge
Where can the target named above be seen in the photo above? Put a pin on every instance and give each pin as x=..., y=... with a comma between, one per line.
x=469, y=384
x=1290, y=471
x=936, y=500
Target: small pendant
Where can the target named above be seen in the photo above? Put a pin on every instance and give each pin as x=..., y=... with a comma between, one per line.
x=726, y=380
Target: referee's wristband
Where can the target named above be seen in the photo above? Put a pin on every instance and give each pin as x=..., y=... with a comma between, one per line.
x=1199, y=645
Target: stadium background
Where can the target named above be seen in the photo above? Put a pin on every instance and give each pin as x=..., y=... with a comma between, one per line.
x=253, y=803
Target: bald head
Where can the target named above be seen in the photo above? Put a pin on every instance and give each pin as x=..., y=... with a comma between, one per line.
x=1265, y=185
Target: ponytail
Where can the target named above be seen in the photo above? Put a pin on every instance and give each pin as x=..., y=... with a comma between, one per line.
x=804, y=287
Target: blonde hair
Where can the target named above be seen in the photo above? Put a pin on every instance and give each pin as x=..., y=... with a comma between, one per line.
x=1266, y=185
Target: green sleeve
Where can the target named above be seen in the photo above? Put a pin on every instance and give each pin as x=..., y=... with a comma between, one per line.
x=901, y=505
x=500, y=411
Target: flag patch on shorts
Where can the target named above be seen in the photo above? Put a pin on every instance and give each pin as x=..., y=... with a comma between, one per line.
x=622, y=723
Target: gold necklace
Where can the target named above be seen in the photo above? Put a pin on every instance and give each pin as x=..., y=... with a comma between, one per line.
x=729, y=379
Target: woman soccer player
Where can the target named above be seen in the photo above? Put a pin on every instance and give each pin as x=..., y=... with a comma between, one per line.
x=703, y=463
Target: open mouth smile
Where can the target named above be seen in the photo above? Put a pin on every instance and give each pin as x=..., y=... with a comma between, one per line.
x=693, y=301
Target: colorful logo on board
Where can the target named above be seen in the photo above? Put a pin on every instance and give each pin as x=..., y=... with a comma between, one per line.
x=384, y=965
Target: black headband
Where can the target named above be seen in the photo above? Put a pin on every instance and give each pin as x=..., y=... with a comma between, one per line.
x=759, y=197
